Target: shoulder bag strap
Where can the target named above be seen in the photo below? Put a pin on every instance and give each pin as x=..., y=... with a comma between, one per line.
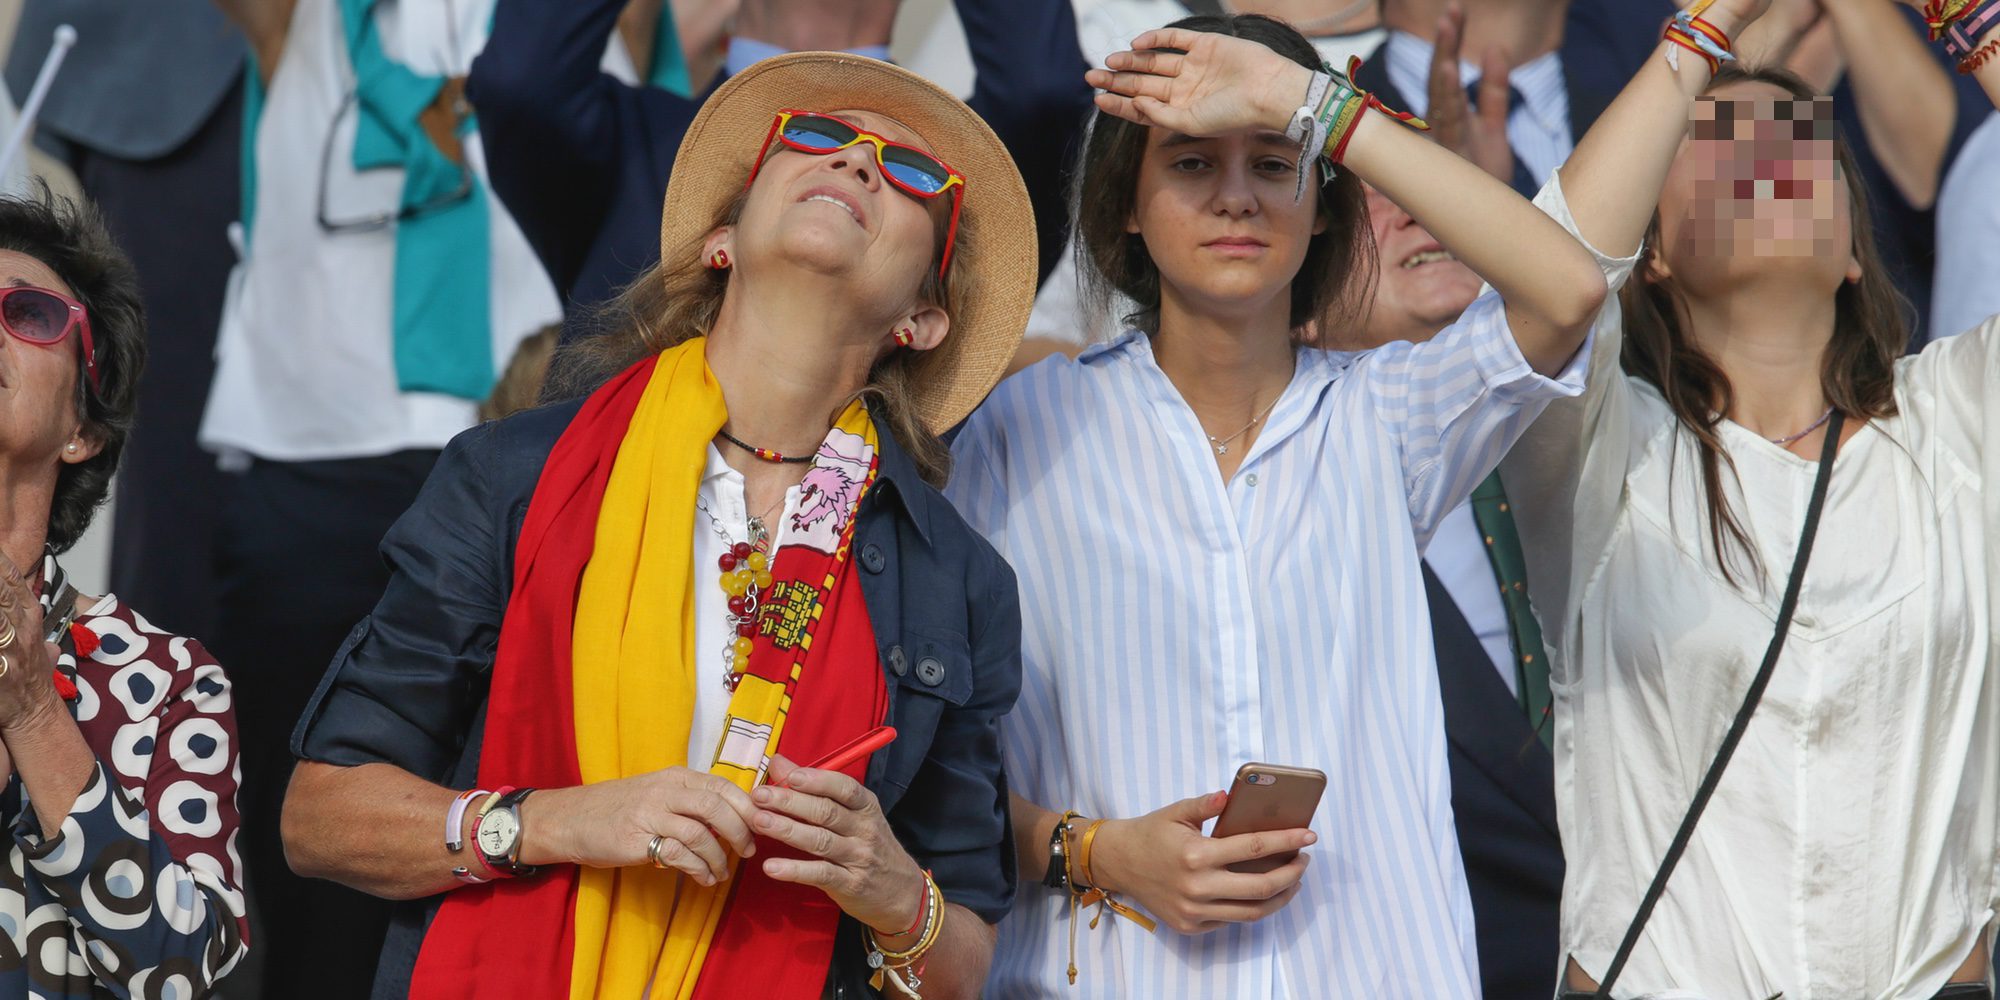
x=1736, y=728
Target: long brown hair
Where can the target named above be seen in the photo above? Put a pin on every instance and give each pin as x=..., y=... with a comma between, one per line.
x=1339, y=269
x=679, y=298
x=1858, y=373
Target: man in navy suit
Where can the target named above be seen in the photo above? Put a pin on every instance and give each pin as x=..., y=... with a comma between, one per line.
x=1541, y=71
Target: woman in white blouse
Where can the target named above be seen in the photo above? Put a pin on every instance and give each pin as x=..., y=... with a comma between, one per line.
x=1217, y=531
x=1849, y=849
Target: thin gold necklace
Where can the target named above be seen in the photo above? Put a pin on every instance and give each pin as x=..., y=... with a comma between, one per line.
x=1221, y=444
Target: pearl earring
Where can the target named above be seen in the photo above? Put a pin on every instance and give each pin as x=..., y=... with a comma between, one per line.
x=72, y=447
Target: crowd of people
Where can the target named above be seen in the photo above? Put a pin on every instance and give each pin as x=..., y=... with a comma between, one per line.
x=631, y=498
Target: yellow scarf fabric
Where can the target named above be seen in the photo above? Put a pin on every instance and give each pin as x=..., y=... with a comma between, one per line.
x=634, y=676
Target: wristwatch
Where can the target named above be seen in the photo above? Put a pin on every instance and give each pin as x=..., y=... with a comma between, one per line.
x=497, y=834
x=1058, y=873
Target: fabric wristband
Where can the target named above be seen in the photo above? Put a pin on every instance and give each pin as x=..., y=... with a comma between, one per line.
x=1961, y=36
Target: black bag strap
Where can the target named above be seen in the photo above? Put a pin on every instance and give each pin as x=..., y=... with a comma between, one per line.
x=1736, y=728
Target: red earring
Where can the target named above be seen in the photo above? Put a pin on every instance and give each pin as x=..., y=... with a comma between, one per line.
x=719, y=260
x=904, y=337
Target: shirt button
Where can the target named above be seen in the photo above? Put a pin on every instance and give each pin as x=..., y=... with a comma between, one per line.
x=930, y=671
x=1251, y=479
x=898, y=663
x=872, y=558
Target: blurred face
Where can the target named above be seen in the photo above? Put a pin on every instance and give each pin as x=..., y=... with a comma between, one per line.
x=1756, y=191
x=1420, y=287
x=835, y=214
x=1219, y=220
x=38, y=384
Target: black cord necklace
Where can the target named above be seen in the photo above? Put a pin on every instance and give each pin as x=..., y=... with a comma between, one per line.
x=764, y=453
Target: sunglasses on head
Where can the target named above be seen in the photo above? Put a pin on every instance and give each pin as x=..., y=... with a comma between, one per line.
x=43, y=318
x=911, y=170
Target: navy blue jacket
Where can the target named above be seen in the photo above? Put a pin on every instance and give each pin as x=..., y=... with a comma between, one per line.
x=409, y=686
x=581, y=160
x=1503, y=803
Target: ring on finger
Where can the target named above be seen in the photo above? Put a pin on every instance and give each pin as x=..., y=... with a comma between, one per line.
x=6, y=664
x=8, y=636
x=653, y=851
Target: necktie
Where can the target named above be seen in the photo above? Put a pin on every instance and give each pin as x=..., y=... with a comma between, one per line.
x=1523, y=181
x=1495, y=518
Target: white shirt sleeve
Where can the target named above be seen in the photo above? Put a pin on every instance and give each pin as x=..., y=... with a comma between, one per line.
x=1567, y=472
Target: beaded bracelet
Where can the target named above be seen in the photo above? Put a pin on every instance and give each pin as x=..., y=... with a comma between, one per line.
x=1971, y=64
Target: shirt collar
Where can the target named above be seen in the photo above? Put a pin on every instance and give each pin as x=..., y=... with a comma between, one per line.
x=1539, y=81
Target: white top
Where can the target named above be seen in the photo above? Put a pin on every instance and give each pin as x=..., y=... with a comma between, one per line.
x=1849, y=851
x=721, y=491
x=1965, y=293
x=1457, y=554
x=304, y=362
x=1176, y=626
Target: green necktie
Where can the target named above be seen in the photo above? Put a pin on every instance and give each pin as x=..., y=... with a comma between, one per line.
x=1503, y=548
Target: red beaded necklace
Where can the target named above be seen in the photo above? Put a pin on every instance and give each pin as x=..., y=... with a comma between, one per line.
x=745, y=578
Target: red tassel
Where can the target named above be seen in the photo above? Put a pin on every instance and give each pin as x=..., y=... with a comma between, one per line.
x=65, y=686
x=86, y=642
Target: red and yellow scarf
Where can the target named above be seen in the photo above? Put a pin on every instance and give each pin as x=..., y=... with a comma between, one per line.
x=595, y=680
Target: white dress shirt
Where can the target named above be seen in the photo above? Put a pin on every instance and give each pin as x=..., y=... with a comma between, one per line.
x=721, y=491
x=1537, y=124
x=1849, y=850
x=1177, y=626
x=1457, y=554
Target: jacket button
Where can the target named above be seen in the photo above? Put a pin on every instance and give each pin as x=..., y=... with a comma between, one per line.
x=930, y=671
x=898, y=663
x=872, y=558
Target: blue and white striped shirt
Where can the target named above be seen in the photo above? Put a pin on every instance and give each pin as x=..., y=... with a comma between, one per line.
x=1177, y=626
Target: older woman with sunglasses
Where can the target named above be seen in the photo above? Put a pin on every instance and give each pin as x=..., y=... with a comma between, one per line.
x=117, y=745
x=572, y=732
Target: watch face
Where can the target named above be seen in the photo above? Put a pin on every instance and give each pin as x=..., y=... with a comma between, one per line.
x=496, y=832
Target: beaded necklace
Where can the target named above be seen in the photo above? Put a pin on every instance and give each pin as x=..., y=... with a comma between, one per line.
x=745, y=578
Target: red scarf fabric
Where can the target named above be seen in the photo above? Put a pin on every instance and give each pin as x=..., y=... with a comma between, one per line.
x=776, y=939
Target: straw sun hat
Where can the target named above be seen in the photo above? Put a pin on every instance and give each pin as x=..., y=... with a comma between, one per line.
x=996, y=263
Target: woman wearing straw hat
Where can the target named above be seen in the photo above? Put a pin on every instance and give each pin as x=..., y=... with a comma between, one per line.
x=571, y=731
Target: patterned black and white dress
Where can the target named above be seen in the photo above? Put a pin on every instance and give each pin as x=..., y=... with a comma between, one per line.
x=138, y=895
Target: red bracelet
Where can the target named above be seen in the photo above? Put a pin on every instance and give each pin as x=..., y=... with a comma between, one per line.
x=1984, y=54
x=923, y=908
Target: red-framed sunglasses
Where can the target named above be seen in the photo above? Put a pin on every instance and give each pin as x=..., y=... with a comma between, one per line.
x=913, y=171
x=43, y=318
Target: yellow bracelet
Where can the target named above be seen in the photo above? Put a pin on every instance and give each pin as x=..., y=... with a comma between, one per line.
x=894, y=966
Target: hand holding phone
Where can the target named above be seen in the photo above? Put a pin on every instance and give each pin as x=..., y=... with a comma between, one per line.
x=1268, y=797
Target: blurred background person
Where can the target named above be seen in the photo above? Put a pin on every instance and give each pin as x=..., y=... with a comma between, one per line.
x=380, y=290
